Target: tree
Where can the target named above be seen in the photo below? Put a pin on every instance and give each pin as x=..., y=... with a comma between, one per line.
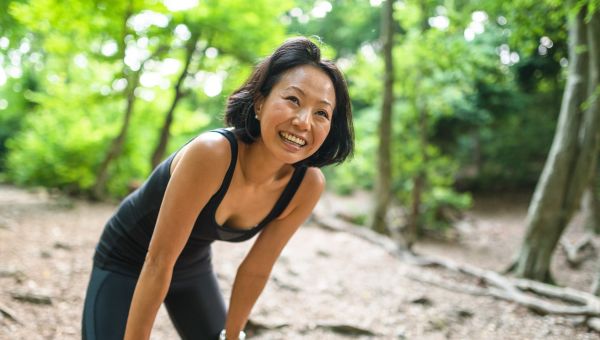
x=573, y=152
x=133, y=78
x=161, y=147
x=590, y=205
x=434, y=73
x=413, y=223
x=383, y=192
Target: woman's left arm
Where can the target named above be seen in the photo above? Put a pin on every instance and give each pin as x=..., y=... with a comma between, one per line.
x=254, y=271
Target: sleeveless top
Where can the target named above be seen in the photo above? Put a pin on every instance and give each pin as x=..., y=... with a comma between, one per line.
x=124, y=242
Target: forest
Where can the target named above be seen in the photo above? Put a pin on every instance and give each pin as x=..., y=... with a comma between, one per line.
x=466, y=114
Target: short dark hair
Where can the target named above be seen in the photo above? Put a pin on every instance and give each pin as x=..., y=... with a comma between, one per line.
x=240, y=114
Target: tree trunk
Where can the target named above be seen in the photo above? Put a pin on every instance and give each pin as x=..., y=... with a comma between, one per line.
x=591, y=206
x=571, y=157
x=98, y=190
x=591, y=202
x=133, y=79
x=413, y=224
x=161, y=147
x=117, y=144
x=383, y=186
x=477, y=158
x=419, y=182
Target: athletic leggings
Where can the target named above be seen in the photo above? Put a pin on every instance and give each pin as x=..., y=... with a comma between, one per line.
x=195, y=306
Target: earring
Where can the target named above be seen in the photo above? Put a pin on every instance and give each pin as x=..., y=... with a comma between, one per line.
x=256, y=117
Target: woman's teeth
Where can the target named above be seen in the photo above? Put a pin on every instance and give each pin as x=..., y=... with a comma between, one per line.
x=296, y=140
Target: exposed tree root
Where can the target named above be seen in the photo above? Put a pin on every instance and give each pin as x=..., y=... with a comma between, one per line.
x=531, y=294
x=579, y=252
x=516, y=290
x=339, y=225
x=594, y=323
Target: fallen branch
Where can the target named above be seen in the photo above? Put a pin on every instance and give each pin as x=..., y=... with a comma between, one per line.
x=18, y=275
x=32, y=298
x=7, y=313
x=254, y=328
x=345, y=329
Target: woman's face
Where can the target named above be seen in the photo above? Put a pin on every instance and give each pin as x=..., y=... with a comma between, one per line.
x=295, y=117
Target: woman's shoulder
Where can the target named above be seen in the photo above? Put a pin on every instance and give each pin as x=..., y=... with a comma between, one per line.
x=312, y=184
x=212, y=143
x=314, y=178
x=209, y=150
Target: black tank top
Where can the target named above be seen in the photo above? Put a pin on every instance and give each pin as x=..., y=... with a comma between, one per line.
x=124, y=242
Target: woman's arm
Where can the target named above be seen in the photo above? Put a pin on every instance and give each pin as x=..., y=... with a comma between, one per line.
x=195, y=177
x=254, y=271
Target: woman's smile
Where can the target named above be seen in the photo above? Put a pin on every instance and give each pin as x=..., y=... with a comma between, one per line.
x=293, y=139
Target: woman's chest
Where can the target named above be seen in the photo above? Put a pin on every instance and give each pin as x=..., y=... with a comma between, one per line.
x=244, y=206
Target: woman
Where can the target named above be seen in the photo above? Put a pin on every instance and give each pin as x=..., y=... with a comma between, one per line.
x=260, y=176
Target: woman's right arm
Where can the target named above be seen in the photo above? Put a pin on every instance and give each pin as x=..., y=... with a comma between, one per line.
x=194, y=179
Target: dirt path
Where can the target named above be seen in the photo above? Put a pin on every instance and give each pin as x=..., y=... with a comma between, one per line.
x=321, y=279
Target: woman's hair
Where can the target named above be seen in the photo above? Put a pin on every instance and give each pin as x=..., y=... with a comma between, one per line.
x=339, y=143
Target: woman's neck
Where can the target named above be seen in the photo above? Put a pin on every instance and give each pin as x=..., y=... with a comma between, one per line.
x=259, y=167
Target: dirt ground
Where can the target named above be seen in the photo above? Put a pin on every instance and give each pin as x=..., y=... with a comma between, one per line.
x=322, y=280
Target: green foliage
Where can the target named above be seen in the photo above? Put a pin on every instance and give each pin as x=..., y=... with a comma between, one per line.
x=349, y=25
x=440, y=172
x=481, y=113
x=59, y=145
x=8, y=24
x=426, y=79
x=442, y=206
x=68, y=119
x=503, y=144
x=11, y=114
x=359, y=172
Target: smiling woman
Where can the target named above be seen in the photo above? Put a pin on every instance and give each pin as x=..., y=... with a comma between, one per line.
x=306, y=78
x=291, y=117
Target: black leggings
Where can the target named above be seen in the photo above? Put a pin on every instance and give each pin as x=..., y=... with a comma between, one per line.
x=195, y=306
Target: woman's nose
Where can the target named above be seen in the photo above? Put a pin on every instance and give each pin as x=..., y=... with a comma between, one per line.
x=302, y=119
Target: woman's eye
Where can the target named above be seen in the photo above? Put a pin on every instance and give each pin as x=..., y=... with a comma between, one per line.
x=323, y=114
x=293, y=99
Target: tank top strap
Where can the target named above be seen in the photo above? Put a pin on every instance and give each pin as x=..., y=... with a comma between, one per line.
x=287, y=195
x=218, y=196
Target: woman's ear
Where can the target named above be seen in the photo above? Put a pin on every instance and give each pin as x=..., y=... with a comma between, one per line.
x=258, y=103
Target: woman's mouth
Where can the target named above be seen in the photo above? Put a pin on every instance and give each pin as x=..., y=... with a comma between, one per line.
x=296, y=140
